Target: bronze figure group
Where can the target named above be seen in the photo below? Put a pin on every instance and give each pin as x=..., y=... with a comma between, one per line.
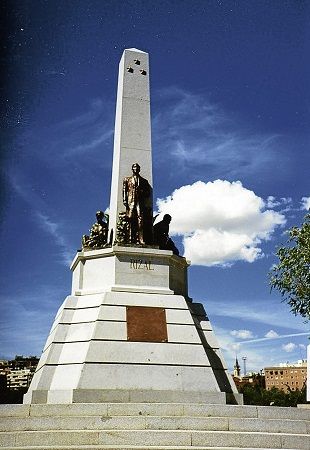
x=135, y=224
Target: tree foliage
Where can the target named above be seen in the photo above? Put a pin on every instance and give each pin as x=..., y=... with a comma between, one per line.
x=257, y=395
x=291, y=276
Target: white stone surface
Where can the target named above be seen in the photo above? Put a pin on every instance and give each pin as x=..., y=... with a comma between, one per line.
x=138, y=352
x=116, y=330
x=132, y=137
x=77, y=277
x=96, y=354
x=59, y=396
x=66, y=376
x=79, y=332
x=85, y=315
x=70, y=353
x=51, y=337
x=64, y=317
x=237, y=440
x=205, y=325
x=183, y=333
x=44, y=377
x=150, y=426
x=157, y=275
x=111, y=331
x=148, y=377
x=89, y=301
x=272, y=426
x=124, y=299
x=157, y=409
x=129, y=269
x=98, y=273
x=141, y=289
x=112, y=313
x=179, y=316
x=156, y=300
x=211, y=339
x=145, y=437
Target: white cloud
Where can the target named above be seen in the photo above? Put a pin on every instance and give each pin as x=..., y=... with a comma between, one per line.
x=260, y=353
x=272, y=202
x=221, y=222
x=242, y=334
x=32, y=319
x=255, y=359
x=254, y=341
x=271, y=334
x=53, y=229
x=90, y=144
x=289, y=347
x=43, y=220
x=305, y=203
x=264, y=311
x=195, y=132
x=66, y=142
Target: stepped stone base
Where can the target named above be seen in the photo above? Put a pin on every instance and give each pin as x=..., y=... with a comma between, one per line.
x=129, y=333
x=152, y=426
x=123, y=396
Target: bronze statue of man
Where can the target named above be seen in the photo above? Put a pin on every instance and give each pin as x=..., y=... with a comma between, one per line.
x=136, y=199
x=98, y=233
x=161, y=235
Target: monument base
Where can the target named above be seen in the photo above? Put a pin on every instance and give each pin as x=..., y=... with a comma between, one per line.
x=137, y=337
x=129, y=396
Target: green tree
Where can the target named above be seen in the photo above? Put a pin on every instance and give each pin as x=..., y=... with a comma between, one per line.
x=257, y=395
x=291, y=276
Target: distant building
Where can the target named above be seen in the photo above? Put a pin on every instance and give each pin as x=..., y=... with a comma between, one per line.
x=236, y=369
x=20, y=378
x=250, y=378
x=23, y=362
x=17, y=373
x=286, y=376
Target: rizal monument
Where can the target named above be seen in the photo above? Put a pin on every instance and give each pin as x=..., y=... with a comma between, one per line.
x=131, y=361
x=129, y=332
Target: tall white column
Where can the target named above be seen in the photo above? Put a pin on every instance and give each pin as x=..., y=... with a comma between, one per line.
x=132, y=136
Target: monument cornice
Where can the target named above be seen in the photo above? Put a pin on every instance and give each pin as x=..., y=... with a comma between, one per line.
x=128, y=250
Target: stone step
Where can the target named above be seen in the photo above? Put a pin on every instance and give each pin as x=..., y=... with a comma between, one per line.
x=125, y=447
x=154, y=409
x=153, y=439
x=47, y=423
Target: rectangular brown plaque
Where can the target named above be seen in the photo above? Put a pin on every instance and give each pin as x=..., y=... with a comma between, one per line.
x=146, y=324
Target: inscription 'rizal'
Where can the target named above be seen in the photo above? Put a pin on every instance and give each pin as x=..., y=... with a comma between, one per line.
x=141, y=264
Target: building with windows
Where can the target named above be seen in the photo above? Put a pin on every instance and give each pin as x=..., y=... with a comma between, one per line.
x=19, y=378
x=286, y=376
x=17, y=373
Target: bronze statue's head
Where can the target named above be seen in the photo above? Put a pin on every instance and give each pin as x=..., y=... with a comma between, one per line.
x=135, y=168
x=167, y=218
x=100, y=215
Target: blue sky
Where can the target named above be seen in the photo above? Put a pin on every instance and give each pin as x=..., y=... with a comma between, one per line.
x=230, y=129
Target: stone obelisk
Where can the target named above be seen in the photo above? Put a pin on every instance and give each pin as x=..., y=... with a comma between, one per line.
x=129, y=331
x=132, y=137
